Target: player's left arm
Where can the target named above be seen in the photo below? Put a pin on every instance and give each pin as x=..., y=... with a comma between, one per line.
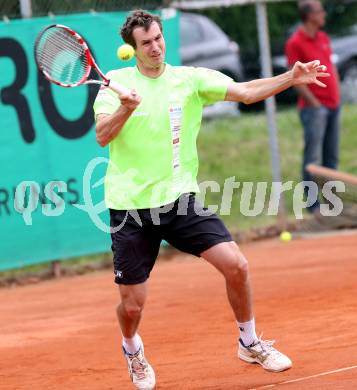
x=256, y=90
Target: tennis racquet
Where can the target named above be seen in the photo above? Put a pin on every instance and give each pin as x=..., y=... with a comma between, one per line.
x=64, y=58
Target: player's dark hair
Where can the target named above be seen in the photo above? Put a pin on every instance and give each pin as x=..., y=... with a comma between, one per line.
x=305, y=9
x=138, y=18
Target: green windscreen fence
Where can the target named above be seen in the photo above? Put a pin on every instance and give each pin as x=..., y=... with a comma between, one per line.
x=51, y=168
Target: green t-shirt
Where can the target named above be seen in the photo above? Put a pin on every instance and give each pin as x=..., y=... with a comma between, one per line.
x=153, y=159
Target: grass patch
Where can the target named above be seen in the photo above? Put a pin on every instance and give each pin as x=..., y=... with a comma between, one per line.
x=239, y=147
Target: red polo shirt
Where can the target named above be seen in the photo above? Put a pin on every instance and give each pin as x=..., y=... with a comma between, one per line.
x=301, y=47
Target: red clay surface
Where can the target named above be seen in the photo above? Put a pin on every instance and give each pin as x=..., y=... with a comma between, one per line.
x=63, y=335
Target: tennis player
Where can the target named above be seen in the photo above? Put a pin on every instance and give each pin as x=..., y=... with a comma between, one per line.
x=151, y=182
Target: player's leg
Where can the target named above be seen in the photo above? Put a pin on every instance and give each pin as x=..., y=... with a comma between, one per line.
x=202, y=233
x=129, y=310
x=230, y=261
x=135, y=248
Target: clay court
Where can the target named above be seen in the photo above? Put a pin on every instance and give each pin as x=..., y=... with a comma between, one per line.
x=63, y=335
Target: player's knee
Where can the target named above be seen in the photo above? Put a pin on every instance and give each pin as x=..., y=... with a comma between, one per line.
x=133, y=309
x=237, y=270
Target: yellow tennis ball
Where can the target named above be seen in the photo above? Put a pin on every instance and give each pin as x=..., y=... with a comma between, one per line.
x=285, y=236
x=125, y=52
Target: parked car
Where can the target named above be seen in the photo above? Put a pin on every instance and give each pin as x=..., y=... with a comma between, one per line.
x=204, y=44
x=345, y=58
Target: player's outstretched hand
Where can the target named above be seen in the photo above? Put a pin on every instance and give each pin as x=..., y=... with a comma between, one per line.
x=308, y=73
x=131, y=100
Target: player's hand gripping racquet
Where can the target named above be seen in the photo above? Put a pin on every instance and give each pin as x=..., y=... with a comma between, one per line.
x=64, y=58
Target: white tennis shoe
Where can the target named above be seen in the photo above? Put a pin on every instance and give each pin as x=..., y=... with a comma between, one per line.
x=141, y=373
x=263, y=352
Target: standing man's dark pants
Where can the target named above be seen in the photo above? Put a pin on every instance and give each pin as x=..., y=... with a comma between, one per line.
x=321, y=135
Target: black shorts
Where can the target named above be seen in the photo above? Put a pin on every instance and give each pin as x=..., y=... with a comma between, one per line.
x=137, y=234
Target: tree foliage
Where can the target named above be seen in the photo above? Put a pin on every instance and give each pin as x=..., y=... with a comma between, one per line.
x=239, y=23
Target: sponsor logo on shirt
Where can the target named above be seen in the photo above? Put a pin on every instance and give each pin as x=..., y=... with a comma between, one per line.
x=175, y=116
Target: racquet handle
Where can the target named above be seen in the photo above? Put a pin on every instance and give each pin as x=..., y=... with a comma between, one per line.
x=119, y=89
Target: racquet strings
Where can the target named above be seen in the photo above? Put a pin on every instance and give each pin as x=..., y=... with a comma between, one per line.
x=61, y=57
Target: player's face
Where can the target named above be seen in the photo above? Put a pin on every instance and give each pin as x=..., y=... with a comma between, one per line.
x=150, y=46
x=318, y=14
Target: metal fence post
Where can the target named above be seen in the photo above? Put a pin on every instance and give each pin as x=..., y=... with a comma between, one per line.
x=26, y=8
x=270, y=106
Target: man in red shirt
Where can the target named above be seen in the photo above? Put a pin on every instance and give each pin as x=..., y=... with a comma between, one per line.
x=319, y=107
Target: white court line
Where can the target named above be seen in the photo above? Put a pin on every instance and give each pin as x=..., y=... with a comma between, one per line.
x=304, y=378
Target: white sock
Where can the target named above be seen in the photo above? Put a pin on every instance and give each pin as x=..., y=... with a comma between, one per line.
x=247, y=332
x=132, y=345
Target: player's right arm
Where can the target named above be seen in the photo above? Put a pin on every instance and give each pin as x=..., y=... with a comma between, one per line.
x=108, y=126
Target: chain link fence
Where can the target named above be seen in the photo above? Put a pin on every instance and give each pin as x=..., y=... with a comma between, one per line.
x=11, y=8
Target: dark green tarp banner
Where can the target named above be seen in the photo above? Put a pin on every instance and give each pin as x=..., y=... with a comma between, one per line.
x=51, y=169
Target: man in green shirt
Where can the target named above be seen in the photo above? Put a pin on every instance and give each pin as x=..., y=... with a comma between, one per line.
x=151, y=182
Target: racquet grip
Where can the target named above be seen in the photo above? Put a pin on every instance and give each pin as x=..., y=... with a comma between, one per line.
x=119, y=89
